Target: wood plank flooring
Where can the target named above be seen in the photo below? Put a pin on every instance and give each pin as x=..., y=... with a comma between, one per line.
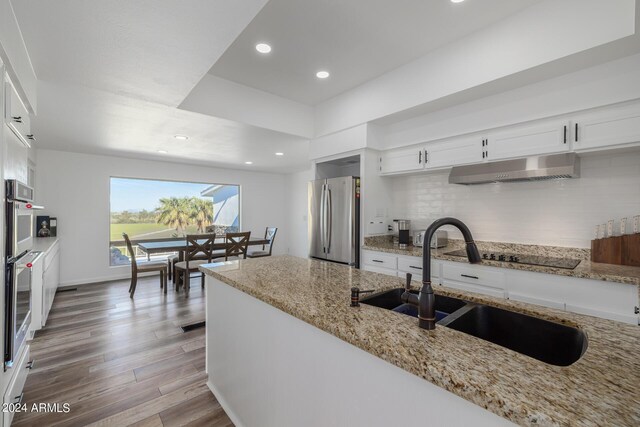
x=122, y=362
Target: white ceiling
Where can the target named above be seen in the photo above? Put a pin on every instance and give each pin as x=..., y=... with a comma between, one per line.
x=73, y=118
x=354, y=40
x=155, y=50
x=112, y=72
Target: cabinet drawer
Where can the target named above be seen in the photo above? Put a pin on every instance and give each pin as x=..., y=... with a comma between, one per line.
x=379, y=259
x=18, y=373
x=474, y=275
x=381, y=270
x=411, y=265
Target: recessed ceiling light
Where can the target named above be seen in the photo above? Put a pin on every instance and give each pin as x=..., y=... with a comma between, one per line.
x=457, y=1
x=181, y=137
x=248, y=163
x=162, y=151
x=263, y=48
x=322, y=74
x=279, y=154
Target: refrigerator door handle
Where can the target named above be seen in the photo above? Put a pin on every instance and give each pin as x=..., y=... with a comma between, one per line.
x=322, y=212
x=329, y=220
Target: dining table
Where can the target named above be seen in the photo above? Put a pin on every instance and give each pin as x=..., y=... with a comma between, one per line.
x=180, y=246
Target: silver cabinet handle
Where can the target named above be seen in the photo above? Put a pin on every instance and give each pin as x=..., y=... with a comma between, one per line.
x=417, y=268
x=377, y=260
x=470, y=277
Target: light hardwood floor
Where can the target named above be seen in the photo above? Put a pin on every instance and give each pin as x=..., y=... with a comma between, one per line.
x=121, y=362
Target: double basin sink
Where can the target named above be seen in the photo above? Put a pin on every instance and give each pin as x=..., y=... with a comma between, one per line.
x=549, y=342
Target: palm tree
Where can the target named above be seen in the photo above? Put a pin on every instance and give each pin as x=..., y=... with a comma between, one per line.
x=174, y=212
x=201, y=213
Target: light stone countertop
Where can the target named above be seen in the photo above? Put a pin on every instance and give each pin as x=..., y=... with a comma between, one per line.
x=43, y=244
x=599, y=389
x=585, y=270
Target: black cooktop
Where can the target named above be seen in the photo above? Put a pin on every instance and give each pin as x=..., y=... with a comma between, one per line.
x=543, y=261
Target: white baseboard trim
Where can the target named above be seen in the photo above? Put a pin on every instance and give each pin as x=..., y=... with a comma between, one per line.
x=104, y=279
x=232, y=415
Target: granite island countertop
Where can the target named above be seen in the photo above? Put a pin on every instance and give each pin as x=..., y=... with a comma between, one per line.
x=599, y=389
x=585, y=270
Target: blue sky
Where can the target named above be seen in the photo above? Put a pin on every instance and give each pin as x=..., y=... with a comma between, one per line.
x=137, y=194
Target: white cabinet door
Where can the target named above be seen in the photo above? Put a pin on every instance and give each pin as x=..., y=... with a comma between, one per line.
x=402, y=159
x=552, y=136
x=51, y=279
x=453, y=152
x=13, y=393
x=612, y=126
x=16, y=115
x=615, y=301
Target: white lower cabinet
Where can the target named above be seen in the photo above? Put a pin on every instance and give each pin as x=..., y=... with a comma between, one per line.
x=608, y=300
x=397, y=265
x=473, y=278
x=13, y=395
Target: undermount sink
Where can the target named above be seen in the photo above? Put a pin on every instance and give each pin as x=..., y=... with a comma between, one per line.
x=540, y=339
x=391, y=300
x=549, y=342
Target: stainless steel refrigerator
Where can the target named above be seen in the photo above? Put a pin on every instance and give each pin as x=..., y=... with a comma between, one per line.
x=334, y=220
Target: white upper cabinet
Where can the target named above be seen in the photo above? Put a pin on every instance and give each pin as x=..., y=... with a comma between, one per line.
x=609, y=127
x=17, y=116
x=452, y=152
x=552, y=136
x=612, y=126
x=402, y=159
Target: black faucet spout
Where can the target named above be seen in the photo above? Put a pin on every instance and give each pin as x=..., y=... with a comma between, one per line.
x=426, y=298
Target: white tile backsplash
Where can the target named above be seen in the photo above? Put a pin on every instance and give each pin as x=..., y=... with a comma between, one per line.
x=559, y=213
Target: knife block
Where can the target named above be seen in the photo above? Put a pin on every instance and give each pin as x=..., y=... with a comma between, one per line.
x=620, y=250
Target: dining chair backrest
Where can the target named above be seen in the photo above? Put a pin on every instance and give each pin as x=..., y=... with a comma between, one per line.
x=237, y=244
x=270, y=235
x=134, y=264
x=200, y=246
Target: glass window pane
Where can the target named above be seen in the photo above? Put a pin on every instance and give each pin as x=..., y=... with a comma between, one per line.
x=154, y=210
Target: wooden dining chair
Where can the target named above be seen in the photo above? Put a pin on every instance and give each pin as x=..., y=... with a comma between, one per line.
x=196, y=254
x=270, y=235
x=237, y=245
x=144, y=267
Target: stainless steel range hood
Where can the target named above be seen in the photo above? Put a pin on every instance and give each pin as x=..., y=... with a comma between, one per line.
x=528, y=169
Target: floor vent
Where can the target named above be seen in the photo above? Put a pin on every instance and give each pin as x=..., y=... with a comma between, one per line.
x=191, y=327
x=66, y=290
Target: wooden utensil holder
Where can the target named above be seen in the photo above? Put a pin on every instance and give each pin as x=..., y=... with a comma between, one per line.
x=620, y=250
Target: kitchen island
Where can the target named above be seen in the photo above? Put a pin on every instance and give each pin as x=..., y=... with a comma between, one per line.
x=285, y=348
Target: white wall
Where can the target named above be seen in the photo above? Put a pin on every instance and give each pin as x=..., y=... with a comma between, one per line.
x=297, y=189
x=75, y=188
x=562, y=213
x=604, y=84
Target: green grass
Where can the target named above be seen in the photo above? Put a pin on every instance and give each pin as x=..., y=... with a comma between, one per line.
x=144, y=231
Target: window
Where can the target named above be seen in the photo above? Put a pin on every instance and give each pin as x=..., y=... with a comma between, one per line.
x=151, y=210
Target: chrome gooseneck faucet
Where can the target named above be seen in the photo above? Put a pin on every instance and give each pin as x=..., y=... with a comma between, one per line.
x=425, y=300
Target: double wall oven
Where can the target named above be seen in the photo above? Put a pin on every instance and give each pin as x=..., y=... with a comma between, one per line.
x=19, y=234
